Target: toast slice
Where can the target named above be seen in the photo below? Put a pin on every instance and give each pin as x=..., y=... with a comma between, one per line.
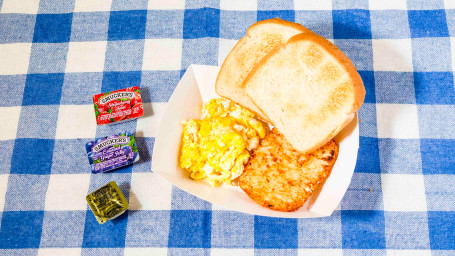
x=280, y=178
x=260, y=39
x=308, y=89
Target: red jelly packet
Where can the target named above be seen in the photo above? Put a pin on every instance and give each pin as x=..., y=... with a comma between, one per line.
x=120, y=105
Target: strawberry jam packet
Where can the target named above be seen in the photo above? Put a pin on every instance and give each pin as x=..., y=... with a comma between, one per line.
x=116, y=106
x=112, y=152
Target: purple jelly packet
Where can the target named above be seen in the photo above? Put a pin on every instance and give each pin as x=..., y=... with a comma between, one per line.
x=112, y=152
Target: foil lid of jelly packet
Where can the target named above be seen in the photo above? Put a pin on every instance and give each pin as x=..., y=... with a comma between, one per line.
x=112, y=152
x=117, y=106
x=107, y=202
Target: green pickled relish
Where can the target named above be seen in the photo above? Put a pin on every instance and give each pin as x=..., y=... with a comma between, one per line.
x=107, y=202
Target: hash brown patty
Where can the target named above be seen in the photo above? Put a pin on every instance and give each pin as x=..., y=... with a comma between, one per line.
x=281, y=178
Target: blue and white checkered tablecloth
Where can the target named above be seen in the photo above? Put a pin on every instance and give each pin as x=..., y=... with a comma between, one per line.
x=54, y=55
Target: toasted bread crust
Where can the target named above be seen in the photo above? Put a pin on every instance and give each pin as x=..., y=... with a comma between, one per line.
x=281, y=178
x=353, y=88
x=229, y=84
x=357, y=82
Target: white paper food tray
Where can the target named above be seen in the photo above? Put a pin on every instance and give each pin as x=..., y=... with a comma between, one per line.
x=198, y=85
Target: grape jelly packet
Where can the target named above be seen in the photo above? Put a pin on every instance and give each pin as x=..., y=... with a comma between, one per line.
x=107, y=202
x=112, y=152
x=116, y=106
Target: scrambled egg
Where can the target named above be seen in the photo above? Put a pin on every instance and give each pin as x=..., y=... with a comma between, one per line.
x=217, y=147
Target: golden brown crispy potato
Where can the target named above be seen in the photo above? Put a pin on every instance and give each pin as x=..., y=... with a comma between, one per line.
x=281, y=178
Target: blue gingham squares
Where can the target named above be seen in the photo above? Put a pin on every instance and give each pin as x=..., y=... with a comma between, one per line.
x=19, y=252
x=196, y=4
x=142, y=232
x=389, y=24
x=172, y=28
x=187, y=251
x=360, y=52
x=442, y=252
x=57, y=54
x=282, y=14
x=202, y=22
x=37, y=122
x=363, y=229
x=121, y=5
x=431, y=54
x=185, y=201
x=32, y=156
x=21, y=229
x=90, y=26
x=15, y=85
x=367, y=117
x=275, y=233
x=26, y=192
x=350, y=4
x=16, y=28
x=439, y=191
x=320, y=232
x=56, y=6
x=434, y=88
x=441, y=128
x=68, y=158
x=75, y=94
x=369, y=83
x=101, y=251
x=450, y=16
x=188, y=228
x=231, y=23
x=52, y=28
x=273, y=252
x=6, y=151
x=110, y=234
x=364, y=193
x=441, y=225
x=351, y=24
x=124, y=55
x=368, y=155
x=63, y=228
x=274, y=5
x=436, y=156
x=127, y=25
x=428, y=23
x=320, y=22
x=43, y=89
x=406, y=230
x=395, y=87
x=200, y=51
x=117, y=80
x=48, y=58
x=232, y=230
x=105, y=130
x=425, y=5
x=161, y=84
x=406, y=156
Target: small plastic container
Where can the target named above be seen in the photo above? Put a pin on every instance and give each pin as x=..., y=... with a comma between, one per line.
x=112, y=152
x=118, y=106
x=107, y=202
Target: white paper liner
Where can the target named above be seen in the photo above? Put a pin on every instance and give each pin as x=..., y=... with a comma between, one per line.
x=198, y=85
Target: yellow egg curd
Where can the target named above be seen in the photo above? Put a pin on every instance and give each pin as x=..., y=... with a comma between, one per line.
x=217, y=147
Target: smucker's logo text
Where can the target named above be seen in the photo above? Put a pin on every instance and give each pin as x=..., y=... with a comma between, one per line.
x=117, y=95
x=110, y=142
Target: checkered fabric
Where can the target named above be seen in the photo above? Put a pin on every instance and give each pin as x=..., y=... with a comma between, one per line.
x=54, y=55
